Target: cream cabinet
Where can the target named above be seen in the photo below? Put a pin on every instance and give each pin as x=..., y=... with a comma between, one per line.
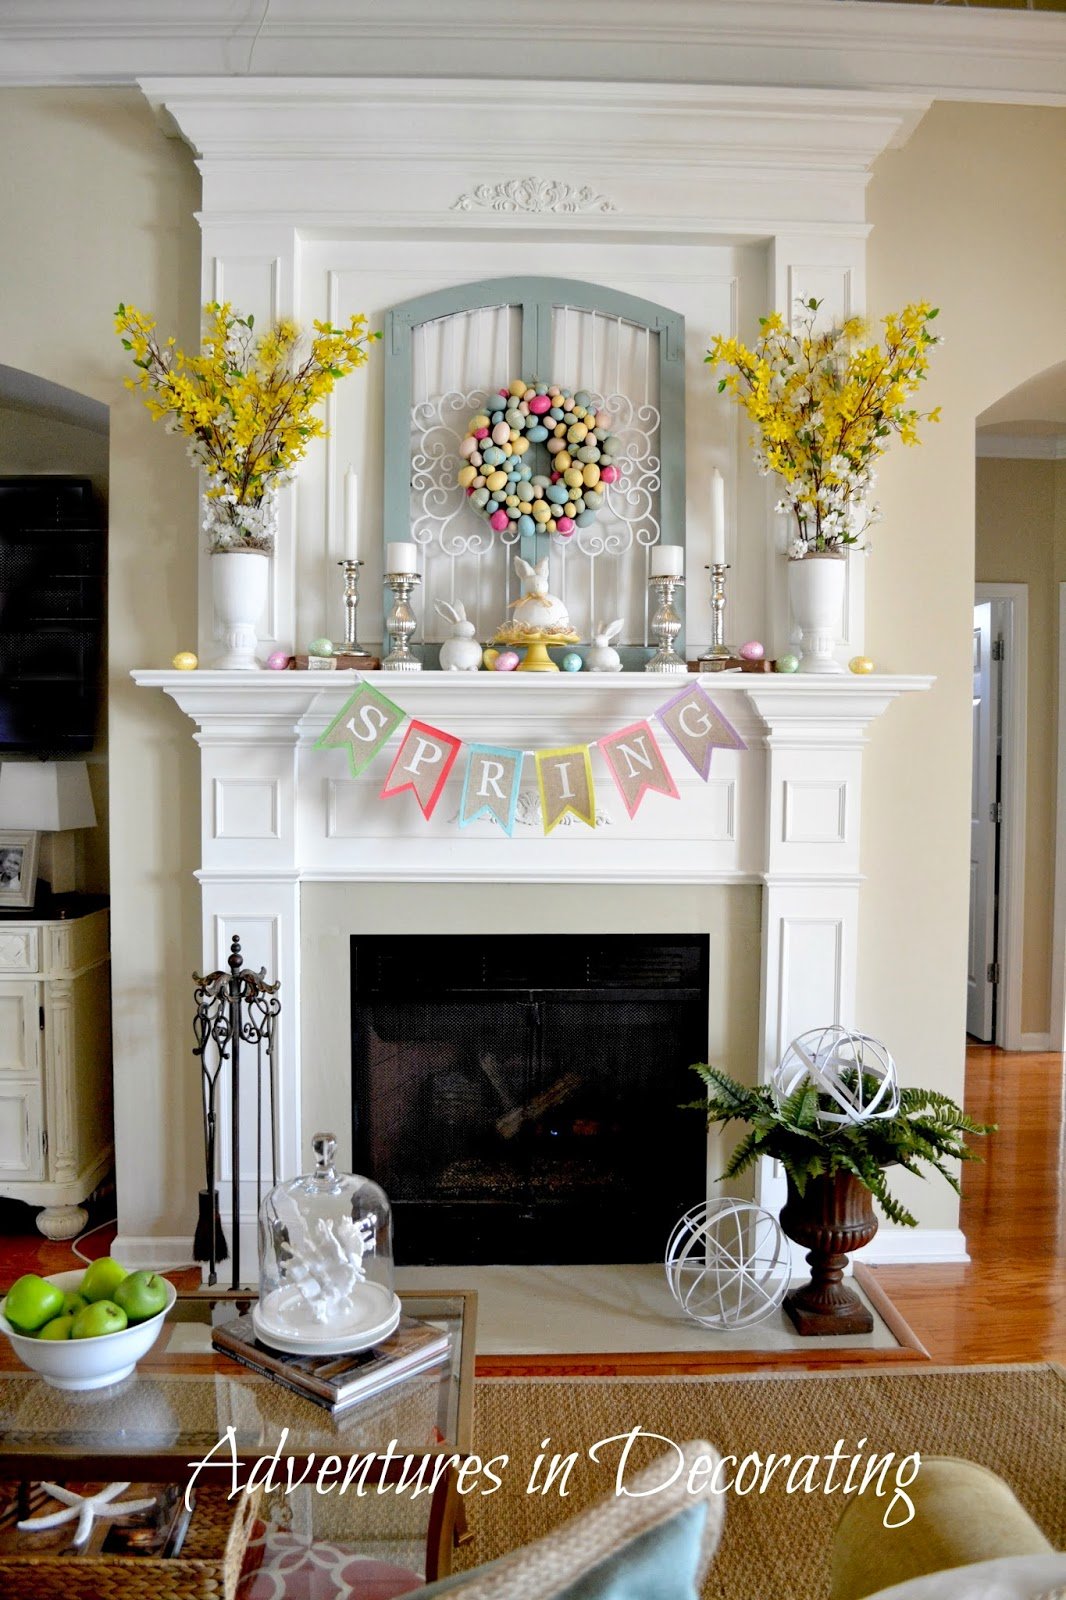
x=55, y=1065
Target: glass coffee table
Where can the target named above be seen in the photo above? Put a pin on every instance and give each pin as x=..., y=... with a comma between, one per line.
x=186, y=1402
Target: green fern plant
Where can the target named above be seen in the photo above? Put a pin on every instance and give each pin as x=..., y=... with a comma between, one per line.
x=928, y=1129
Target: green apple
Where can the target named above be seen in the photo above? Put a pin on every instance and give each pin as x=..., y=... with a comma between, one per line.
x=101, y=1279
x=58, y=1328
x=141, y=1295
x=31, y=1302
x=73, y=1303
x=103, y=1316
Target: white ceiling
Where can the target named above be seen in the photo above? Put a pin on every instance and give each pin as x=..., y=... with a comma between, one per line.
x=957, y=52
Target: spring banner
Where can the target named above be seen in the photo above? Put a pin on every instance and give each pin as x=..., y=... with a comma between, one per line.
x=493, y=775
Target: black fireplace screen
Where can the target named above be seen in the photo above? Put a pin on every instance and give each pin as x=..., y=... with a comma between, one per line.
x=517, y=1097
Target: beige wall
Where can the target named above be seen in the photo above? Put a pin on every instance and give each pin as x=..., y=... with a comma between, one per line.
x=970, y=214
x=1016, y=529
x=99, y=206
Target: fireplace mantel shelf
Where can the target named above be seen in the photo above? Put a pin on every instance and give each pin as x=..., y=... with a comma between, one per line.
x=307, y=701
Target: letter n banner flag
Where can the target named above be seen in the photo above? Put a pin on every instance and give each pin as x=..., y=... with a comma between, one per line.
x=697, y=727
x=636, y=764
x=565, y=781
x=491, y=786
x=423, y=762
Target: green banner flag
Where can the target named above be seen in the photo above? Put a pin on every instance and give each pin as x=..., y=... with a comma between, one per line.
x=364, y=724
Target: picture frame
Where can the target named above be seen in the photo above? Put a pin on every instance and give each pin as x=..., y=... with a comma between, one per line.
x=19, y=853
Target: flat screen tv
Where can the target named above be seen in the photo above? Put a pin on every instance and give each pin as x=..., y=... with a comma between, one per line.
x=52, y=592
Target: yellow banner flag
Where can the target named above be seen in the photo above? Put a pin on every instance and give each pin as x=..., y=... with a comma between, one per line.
x=564, y=778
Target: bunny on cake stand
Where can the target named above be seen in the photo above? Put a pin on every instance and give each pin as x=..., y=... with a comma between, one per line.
x=540, y=619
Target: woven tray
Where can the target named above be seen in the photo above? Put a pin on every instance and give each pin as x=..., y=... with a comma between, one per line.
x=207, y=1568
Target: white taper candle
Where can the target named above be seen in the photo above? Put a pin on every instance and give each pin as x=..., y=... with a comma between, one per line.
x=717, y=518
x=351, y=515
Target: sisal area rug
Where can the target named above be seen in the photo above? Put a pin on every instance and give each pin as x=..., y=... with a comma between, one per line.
x=776, y=1544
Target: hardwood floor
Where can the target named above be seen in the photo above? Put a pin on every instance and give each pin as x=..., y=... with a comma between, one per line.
x=1007, y=1304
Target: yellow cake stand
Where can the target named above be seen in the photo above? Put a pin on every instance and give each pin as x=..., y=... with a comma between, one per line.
x=535, y=645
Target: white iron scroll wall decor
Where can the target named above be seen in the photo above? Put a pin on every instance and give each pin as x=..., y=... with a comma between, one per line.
x=445, y=354
x=492, y=776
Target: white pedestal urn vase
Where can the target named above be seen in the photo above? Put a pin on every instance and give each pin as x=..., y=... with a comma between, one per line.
x=239, y=588
x=816, y=596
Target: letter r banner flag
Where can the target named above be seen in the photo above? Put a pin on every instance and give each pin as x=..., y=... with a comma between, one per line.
x=364, y=723
x=697, y=727
x=636, y=764
x=490, y=788
x=423, y=762
x=564, y=778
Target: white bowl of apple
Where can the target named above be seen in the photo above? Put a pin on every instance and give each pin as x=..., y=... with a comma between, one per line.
x=85, y=1329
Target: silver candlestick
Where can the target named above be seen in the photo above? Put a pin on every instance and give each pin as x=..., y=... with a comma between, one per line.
x=719, y=653
x=401, y=623
x=666, y=625
x=351, y=606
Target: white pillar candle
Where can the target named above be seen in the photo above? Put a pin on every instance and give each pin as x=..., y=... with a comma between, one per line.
x=717, y=518
x=401, y=558
x=667, y=561
x=351, y=515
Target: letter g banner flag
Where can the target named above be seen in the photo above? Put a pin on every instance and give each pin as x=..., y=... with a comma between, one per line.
x=490, y=788
x=423, y=762
x=697, y=727
x=364, y=723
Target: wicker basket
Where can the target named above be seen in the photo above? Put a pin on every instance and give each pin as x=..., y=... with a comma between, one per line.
x=208, y=1567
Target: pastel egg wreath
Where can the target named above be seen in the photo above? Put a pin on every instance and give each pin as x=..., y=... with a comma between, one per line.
x=498, y=474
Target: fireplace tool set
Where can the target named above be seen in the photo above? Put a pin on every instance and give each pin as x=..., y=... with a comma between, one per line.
x=236, y=1011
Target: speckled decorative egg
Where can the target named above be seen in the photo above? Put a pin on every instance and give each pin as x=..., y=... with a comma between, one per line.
x=320, y=647
x=752, y=651
x=860, y=665
x=787, y=664
x=185, y=661
x=572, y=662
x=488, y=658
x=279, y=661
x=506, y=661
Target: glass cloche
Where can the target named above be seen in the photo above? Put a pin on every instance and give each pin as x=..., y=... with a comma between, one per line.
x=325, y=1261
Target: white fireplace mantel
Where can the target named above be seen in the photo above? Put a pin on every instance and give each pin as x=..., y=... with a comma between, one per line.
x=276, y=812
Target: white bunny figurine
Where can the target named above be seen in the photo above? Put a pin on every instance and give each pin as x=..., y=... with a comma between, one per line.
x=460, y=653
x=601, y=656
x=538, y=611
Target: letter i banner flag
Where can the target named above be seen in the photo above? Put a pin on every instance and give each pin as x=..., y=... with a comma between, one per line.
x=636, y=764
x=364, y=724
x=698, y=728
x=564, y=778
x=423, y=762
x=490, y=788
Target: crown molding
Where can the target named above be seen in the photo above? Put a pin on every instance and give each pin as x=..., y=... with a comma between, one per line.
x=952, y=52
x=1021, y=447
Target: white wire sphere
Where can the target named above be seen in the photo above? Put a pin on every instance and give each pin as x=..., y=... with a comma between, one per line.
x=827, y=1057
x=728, y=1264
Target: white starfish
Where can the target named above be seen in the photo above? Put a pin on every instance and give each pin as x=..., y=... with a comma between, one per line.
x=84, y=1507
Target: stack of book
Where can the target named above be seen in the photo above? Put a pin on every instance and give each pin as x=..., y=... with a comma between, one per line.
x=338, y=1382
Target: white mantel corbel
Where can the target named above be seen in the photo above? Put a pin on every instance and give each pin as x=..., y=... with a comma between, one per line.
x=277, y=812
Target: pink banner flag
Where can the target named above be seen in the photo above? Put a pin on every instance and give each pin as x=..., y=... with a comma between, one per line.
x=636, y=764
x=698, y=728
x=423, y=762
x=564, y=778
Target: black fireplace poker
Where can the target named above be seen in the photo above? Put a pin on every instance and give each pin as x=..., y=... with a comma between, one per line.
x=234, y=1007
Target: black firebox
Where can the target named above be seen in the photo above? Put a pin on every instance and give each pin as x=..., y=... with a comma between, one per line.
x=517, y=1097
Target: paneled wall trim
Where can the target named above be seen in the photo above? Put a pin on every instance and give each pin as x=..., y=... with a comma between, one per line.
x=304, y=179
x=784, y=813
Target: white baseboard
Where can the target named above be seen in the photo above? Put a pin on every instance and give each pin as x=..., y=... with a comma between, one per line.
x=897, y=1247
x=1040, y=1042
x=141, y=1251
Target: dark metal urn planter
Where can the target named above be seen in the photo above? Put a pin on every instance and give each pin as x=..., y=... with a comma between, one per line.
x=833, y=1217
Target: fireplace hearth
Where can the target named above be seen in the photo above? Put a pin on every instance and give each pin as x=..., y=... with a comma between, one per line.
x=517, y=1097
